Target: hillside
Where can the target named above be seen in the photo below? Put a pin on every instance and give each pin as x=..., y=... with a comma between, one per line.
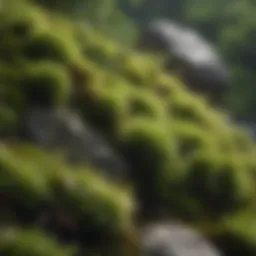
x=180, y=158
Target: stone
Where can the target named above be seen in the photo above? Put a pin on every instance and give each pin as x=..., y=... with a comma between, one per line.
x=203, y=70
x=64, y=131
x=174, y=239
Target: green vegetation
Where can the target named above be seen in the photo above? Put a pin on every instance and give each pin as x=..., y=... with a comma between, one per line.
x=184, y=157
x=229, y=25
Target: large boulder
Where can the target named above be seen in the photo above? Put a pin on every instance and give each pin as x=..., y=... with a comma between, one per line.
x=173, y=239
x=203, y=69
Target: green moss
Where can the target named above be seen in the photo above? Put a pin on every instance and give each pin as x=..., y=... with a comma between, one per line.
x=17, y=27
x=102, y=52
x=45, y=47
x=84, y=195
x=22, y=180
x=46, y=83
x=8, y=121
x=33, y=181
x=191, y=138
x=144, y=103
x=106, y=105
x=140, y=70
x=184, y=157
x=146, y=147
x=144, y=139
x=219, y=183
x=17, y=241
x=188, y=107
x=236, y=234
x=166, y=86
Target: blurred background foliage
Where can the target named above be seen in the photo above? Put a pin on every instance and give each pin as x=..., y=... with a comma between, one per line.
x=229, y=24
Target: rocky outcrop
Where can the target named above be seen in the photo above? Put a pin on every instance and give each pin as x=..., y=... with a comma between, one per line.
x=204, y=70
x=173, y=239
x=65, y=132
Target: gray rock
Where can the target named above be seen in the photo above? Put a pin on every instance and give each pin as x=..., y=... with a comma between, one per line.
x=186, y=48
x=250, y=127
x=65, y=132
x=172, y=239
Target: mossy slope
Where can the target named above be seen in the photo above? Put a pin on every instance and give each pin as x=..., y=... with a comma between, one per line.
x=185, y=159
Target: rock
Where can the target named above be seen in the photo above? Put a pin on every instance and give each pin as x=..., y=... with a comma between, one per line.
x=172, y=239
x=204, y=70
x=250, y=127
x=64, y=131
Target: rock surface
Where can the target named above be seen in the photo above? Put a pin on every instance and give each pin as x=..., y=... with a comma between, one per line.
x=204, y=69
x=175, y=240
x=65, y=132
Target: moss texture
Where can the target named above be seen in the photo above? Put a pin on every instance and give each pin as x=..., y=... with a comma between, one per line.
x=184, y=157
